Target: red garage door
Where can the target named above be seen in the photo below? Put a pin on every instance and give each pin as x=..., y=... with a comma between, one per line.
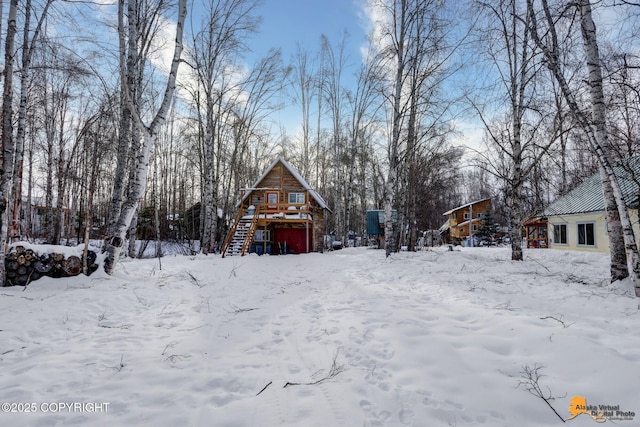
x=293, y=239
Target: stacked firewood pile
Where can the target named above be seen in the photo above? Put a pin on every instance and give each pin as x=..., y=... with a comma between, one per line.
x=25, y=265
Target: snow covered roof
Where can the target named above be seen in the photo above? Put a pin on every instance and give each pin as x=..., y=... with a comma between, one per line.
x=296, y=175
x=587, y=197
x=466, y=205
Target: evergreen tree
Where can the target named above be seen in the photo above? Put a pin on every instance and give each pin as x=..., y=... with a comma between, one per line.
x=488, y=229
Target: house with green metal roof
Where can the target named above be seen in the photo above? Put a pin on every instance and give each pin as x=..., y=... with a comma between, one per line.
x=577, y=220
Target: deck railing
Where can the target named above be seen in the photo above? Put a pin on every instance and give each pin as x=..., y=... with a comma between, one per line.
x=266, y=212
x=263, y=210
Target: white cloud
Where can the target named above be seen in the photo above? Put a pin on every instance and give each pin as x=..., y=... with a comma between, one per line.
x=470, y=134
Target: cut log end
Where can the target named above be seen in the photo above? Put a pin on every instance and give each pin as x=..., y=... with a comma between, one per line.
x=23, y=266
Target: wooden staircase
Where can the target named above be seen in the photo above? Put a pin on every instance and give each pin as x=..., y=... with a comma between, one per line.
x=240, y=236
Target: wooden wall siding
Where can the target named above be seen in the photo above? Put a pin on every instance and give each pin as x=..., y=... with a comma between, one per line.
x=457, y=217
x=280, y=177
x=256, y=198
x=481, y=207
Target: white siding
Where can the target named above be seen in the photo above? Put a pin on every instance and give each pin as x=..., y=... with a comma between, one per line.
x=601, y=238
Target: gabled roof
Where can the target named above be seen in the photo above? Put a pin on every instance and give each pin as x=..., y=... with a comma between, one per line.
x=295, y=174
x=587, y=197
x=466, y=206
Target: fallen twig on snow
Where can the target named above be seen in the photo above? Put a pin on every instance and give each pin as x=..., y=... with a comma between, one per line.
x=120, y=366
x=333, y=372
x=264, y=388
x=237, y=310
x=232, y=273
x=564, y=325
x=195, y=280
x=176, y=358
x=539, y=263
x=170, y=345
x=531, y=383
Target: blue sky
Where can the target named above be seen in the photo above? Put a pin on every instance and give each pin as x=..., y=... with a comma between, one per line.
x=287, y=23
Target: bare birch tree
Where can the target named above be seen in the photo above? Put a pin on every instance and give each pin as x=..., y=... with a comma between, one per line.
x=149, y=133
x=7, y=128
x=215, y=49
x=395, y=38
x=364, y=104
x=143, y=25
x=28, y=47
x=411, y=40
x=594, y=127
x=428, y=107
x=302, y=81
x=254, y=100
x=614, y=209
x=516, y=135
x=334, y=63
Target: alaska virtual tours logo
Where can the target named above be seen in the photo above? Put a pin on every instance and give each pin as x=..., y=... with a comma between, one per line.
x=599, y=413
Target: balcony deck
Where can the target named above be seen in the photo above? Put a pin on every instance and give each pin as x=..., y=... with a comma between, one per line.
x=285, y=213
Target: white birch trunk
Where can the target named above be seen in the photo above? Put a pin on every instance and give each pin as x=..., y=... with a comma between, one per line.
x=7, y=129
x=596, y=144
x=133, y=234
x=14, y=222
x=206, y=210
x=392, y=177
x=16, y=228
x=519, y=82
x=208, y=200
x=115, y=243
x=619, y=257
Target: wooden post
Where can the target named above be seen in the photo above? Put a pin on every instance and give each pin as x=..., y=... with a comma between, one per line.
x=470, y=223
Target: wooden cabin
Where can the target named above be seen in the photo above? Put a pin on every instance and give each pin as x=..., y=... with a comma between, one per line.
x=279, y=214
x=464, y=221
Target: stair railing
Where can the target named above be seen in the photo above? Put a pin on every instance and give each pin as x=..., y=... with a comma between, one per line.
x=232, y=231
x=248, y=239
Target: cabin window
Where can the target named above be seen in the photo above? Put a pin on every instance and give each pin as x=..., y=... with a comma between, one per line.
x=560, y=234
x=586, y=234
x=296, y=198
x=262, y=236
x=466, y=215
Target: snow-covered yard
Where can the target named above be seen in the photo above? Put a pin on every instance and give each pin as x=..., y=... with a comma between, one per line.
x=348, y=338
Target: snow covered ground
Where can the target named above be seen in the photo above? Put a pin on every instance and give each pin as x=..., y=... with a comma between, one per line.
x=348, y=338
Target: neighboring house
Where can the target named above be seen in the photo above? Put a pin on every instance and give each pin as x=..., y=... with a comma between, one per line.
x=465, y=220
x=577, y=220
x=280, y=213
x=36, y=219
x=376, y=224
